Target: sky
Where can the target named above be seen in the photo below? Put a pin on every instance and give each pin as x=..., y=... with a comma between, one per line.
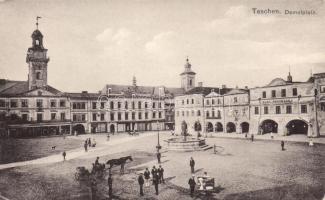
x=93, y=43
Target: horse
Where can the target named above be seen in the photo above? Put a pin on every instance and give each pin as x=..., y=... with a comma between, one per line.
x=120, y=161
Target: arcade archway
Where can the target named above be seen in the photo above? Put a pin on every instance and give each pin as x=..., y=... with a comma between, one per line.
x=219, y=127
x=269, y=126
x=244, y=127
x=79, y=128
x=297, y=127
x=231, y=127
x=197, y=126
x=209, y=127
x=112, y=128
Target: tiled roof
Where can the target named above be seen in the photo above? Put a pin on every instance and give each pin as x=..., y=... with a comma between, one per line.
x=237, y=91
x=82, y=95
x=202, y=90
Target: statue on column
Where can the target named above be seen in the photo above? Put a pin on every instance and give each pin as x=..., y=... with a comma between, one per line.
x=184, y=130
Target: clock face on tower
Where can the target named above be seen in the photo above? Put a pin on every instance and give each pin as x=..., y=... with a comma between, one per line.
x=38, y=55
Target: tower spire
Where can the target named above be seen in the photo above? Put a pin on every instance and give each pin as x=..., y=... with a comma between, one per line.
x=38, y=17
x=289, y=78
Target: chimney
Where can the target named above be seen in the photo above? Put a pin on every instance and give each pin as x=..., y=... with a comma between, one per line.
x=84, y=92
x=223, y=86
x=200, y=84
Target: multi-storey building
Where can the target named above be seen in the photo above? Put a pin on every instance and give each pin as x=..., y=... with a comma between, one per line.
x=32, y=108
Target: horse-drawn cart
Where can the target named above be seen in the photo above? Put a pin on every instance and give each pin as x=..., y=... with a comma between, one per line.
x=82, y=174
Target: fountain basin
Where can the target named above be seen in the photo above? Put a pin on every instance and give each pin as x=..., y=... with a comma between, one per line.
x=190, y=144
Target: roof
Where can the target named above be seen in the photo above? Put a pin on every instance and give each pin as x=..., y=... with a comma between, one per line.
x=82, y=95
x=14, y=88
x=237, y=91
x=213, y=94
x=202, y=90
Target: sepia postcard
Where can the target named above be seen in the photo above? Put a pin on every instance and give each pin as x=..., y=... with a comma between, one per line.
x=162, y=99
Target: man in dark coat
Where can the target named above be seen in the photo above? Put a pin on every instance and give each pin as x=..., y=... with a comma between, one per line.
x=192, y=184
x=192, y=164
x=141, y=182
x=86, y=146
x=160, y=171
x=252, y=137
x=110, y=185
x=155, y=181
x=282, y=145
x=97, y=161
x=154, y=171
x=147, y=177
x=158, y=156
x=64, y=154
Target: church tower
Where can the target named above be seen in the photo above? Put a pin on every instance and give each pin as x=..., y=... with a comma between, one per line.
x=37, y=61
x=187, y=77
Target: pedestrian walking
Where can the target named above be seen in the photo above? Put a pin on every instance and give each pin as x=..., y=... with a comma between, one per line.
x=110, y=185
x=192, y=184
x=108, y=137
x=192, y=164
x=154, y=171
x=141, y=182
x=158, y=157
x=155, y=182
x=93, y=189
x=64, y=154
x=147, y=177
x=311, y=143
x=89, y=142
x=97, y=161
x=86, y=146
x=160, y=171
x=252, y=137
x=282, y=145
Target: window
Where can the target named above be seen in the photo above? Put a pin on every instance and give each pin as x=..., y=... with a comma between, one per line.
x=159, y=105
x=219, y=114
x=83, y=117
x=145, y=104
x=74, y=117
x=126, y=116
x=24, y=117
x=133, y=115
x=126, y=105
x=303, y=108
x=38, y=75
x=94, y=117
x=289, y=109
x=207, y=114
x=322, y=106
x=322, y=89
x=212, y=102
x=283, y=93
x=112, y=116
x=187, y=101
x=112, y=105
x=139, y=115
x=24, y=103
x=13, y=104
x=39, y=103
x=160, y=115
x=219, y=101
x=79, y=105
x=213, y=114
x=62, y=103
x=192, y=101
x=273, y=93
x=264, y=94
x=198, y=113
x=256, y=110
x=94, y=105
x=294, y=92
x=119, y=116
x=53, y=116
x=182, y=102
x=62, y=116
x=133, y=105
x=266, y=110
x=102, y=105
x=2, y=103
x=139, y=104
x=235, y=100
x=146, y=115
x=39, y=117
x=208, y=102
x=119, y=105
x=192, y=112
x=177, y=113
x=53, y=103
x=278, y=110
x=102, y=116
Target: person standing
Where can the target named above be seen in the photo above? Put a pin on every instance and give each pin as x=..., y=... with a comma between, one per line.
x=93, y=189
x=252, y=137
x=86, y=146
x=110, y=185
x=192, y=184
x=97, y=161
x=89, y=142
x=282, y=145
x=147, y=177
x=155, y=182
x=160, y=171
x=141, y=182
x=64, y=154
x=158, y=157
x=153, y=171
x=192, y=164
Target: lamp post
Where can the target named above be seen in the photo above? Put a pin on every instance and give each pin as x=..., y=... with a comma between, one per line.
x=158, y=136
x=316, y=116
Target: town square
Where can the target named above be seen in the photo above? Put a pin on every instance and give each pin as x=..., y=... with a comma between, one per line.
x=161, y=100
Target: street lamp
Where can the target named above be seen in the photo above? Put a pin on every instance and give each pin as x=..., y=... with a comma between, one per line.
x=158, y=136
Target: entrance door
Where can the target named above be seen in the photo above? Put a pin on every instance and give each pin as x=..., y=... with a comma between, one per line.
x=112, y=128
x=269, y=126
x=297, y=127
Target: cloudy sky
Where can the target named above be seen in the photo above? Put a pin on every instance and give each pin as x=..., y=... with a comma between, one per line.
x=92, y=43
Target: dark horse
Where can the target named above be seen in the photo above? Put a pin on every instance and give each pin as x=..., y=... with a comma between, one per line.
x=119, y=161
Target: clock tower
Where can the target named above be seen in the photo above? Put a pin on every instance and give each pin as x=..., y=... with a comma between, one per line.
x=37, y=61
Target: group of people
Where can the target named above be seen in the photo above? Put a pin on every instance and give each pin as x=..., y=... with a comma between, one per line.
x=156, y=175
x=89, y=143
